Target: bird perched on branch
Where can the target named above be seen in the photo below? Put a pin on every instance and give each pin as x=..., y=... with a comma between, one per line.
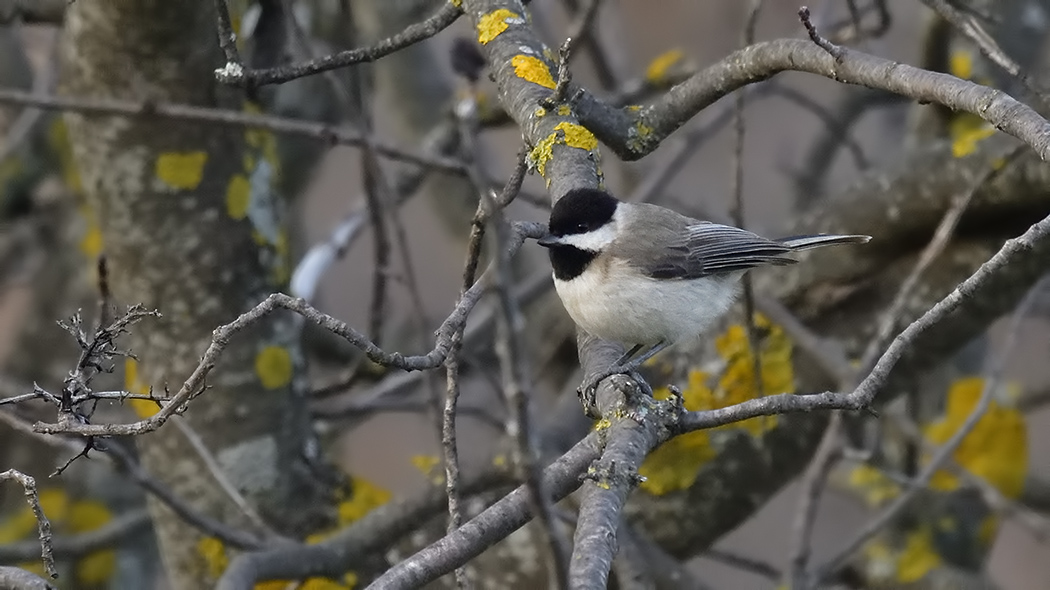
x=648, y=277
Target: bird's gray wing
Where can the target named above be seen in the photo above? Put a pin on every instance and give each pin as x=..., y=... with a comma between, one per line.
x=703, y=248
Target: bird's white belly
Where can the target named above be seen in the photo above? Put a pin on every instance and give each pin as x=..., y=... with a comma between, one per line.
x=635, y=309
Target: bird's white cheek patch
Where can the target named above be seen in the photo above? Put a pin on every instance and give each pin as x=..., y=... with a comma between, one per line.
x=594, y=241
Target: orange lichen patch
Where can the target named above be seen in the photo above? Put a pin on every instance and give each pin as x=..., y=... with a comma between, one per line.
x=657, y=70
x=181, y=170
x=143, y=408
x=273, y=366
x=214, y=554
x=238, y=196
x=675, y=464
x=996, y=450
x=532, y=69
x=491, y=25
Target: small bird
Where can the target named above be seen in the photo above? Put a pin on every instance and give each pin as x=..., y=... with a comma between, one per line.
x=646, y=276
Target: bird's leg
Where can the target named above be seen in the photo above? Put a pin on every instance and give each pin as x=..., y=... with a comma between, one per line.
x=589, y=390
x=627, y=355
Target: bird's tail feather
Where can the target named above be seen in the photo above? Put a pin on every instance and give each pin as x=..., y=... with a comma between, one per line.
x=798, y=243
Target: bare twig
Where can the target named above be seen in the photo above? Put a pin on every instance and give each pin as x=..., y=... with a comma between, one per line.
x=513, y=363
x=75, y=546
x=237, y=74
x=43, y=525
x=194, y=385
x=941, y=237
x=863, y=395
x=219, y=475
x=813, y=484
x=832, y=49
x=993, y=376
x=583, y=22
x=744, y=563
x=181, y=112
x=738, y=214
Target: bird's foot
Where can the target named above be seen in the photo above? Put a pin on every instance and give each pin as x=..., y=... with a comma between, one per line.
x=588, y=391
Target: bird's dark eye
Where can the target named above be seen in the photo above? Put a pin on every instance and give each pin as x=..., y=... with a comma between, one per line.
x=581, y=227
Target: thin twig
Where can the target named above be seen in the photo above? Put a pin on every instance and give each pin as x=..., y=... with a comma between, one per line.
x=183, y=112
x=237, y=74
x=747, y=38
x=75, y=546
x=942, y=235
x=992, y=379
x=513, y=363
x=195, y=384
x=832, y=49
x=219, y=475
x=813, y=485
x=43, y=525
x=583, y=22
x=747, y=564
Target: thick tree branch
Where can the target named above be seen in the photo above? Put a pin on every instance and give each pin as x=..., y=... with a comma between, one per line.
x=633, y=134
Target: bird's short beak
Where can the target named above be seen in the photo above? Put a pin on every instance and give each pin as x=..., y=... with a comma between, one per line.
x=548, y=240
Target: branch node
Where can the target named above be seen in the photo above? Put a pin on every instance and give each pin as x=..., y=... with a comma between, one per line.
x=833, y=50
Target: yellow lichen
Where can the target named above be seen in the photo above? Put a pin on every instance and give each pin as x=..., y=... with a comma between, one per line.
x=657, y=70
x=238, y=196
x=273, y=366
x=532, y=69
x=214, y=554
x=281, y=271
x=492, y=24
x=966, y=130
x=95, y=568
x=55, y=504
x=577, y=136
x=456, y=3
x=364, y=498
x=961, y=65
x=918, y=557
x=428, y=465
x=987, y=530
x=181, y=170
x=58, y=138
x=564, y=110
x=540, y=155
x=91, y=242
x=676, y=464
x=873, y=485
x=996, y=450
x=540, y=112
x=499, y=460
x=143, y=408
x=602, y=424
